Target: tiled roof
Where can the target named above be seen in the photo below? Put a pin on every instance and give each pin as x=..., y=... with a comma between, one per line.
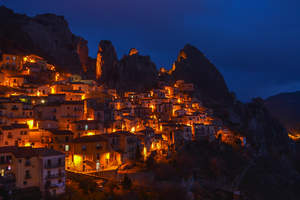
x=22, y=152
x=14, y=126
x=87, y=139
x=60, y=132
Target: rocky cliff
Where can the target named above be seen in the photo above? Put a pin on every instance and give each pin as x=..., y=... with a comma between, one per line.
x=286, y=108
x=45, y=35
x=133, y=72
x=192, y=66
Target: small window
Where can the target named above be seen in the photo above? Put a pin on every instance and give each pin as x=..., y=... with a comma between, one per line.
x=67, y=148
x=98, y=147
x=27, y=174
x=83, y=147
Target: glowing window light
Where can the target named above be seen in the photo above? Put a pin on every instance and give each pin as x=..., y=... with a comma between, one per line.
x=107, y=156
x=132, y=130
x=77, y=160
x=145, y=152
x=27, y=144
x=52, y=90
x=30, y=124
x=90, y=133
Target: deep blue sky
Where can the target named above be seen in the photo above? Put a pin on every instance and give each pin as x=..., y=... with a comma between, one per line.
x=254, y=43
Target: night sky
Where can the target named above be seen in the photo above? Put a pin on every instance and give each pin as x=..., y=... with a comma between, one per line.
x=254, y=43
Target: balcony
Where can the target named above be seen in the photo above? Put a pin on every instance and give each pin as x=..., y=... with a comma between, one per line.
x=27, y=163
x=28, y=176
x=54, y=176
x=51, y=166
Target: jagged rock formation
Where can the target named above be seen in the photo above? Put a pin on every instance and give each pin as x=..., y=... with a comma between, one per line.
x=45, y=35
x=262, y=130
x=133, y=51
x=107, y=63
x=192, y=66
x=132, y=73
x=83, y=53
x=286, y=108
x=138, y=72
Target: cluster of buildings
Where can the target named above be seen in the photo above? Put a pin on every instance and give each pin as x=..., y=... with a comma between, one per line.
x=67, y=123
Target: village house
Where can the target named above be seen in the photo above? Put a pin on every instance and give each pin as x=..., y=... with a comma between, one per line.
x=60, y=139
x=14, y=135
x=11, y=60
x=204, y=132
x=86, y=128
x=30, y=167
x=92, y=153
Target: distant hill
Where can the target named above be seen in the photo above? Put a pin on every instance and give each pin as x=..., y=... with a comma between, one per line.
x=286, y=108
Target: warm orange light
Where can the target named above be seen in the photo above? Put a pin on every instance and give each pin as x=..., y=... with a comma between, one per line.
x=90, y=133
x=30, y=123
x=77, y=160
x=52, y=90
x=164, y=138
x=118, y=106
x=27, y=144
x=107, y=156
x=294, y=137
x=56, y=76
x=90, y=118
x=145, y=152
x=152, y=107
x=132, y=130
x=38, y=93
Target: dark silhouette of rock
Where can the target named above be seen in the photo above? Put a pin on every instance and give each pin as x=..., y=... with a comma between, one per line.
x=46, y=35
x=286, y=108
x=192, y=66
x=83, y=53
x=137, y=73
x=262, y=130
x=133, y=51
x=107, y=63
x=133, y=72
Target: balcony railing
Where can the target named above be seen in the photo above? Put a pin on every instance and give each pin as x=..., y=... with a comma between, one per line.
x=57, y=165
x=28, y=176
x=58, y=175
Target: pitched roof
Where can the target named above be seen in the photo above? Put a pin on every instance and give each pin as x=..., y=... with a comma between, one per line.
x=14, y=126
x=87, y=139
x=21, y=152
x=60, y=132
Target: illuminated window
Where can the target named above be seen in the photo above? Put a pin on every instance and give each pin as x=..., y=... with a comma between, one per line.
x=86, y=127
x=67, y=148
